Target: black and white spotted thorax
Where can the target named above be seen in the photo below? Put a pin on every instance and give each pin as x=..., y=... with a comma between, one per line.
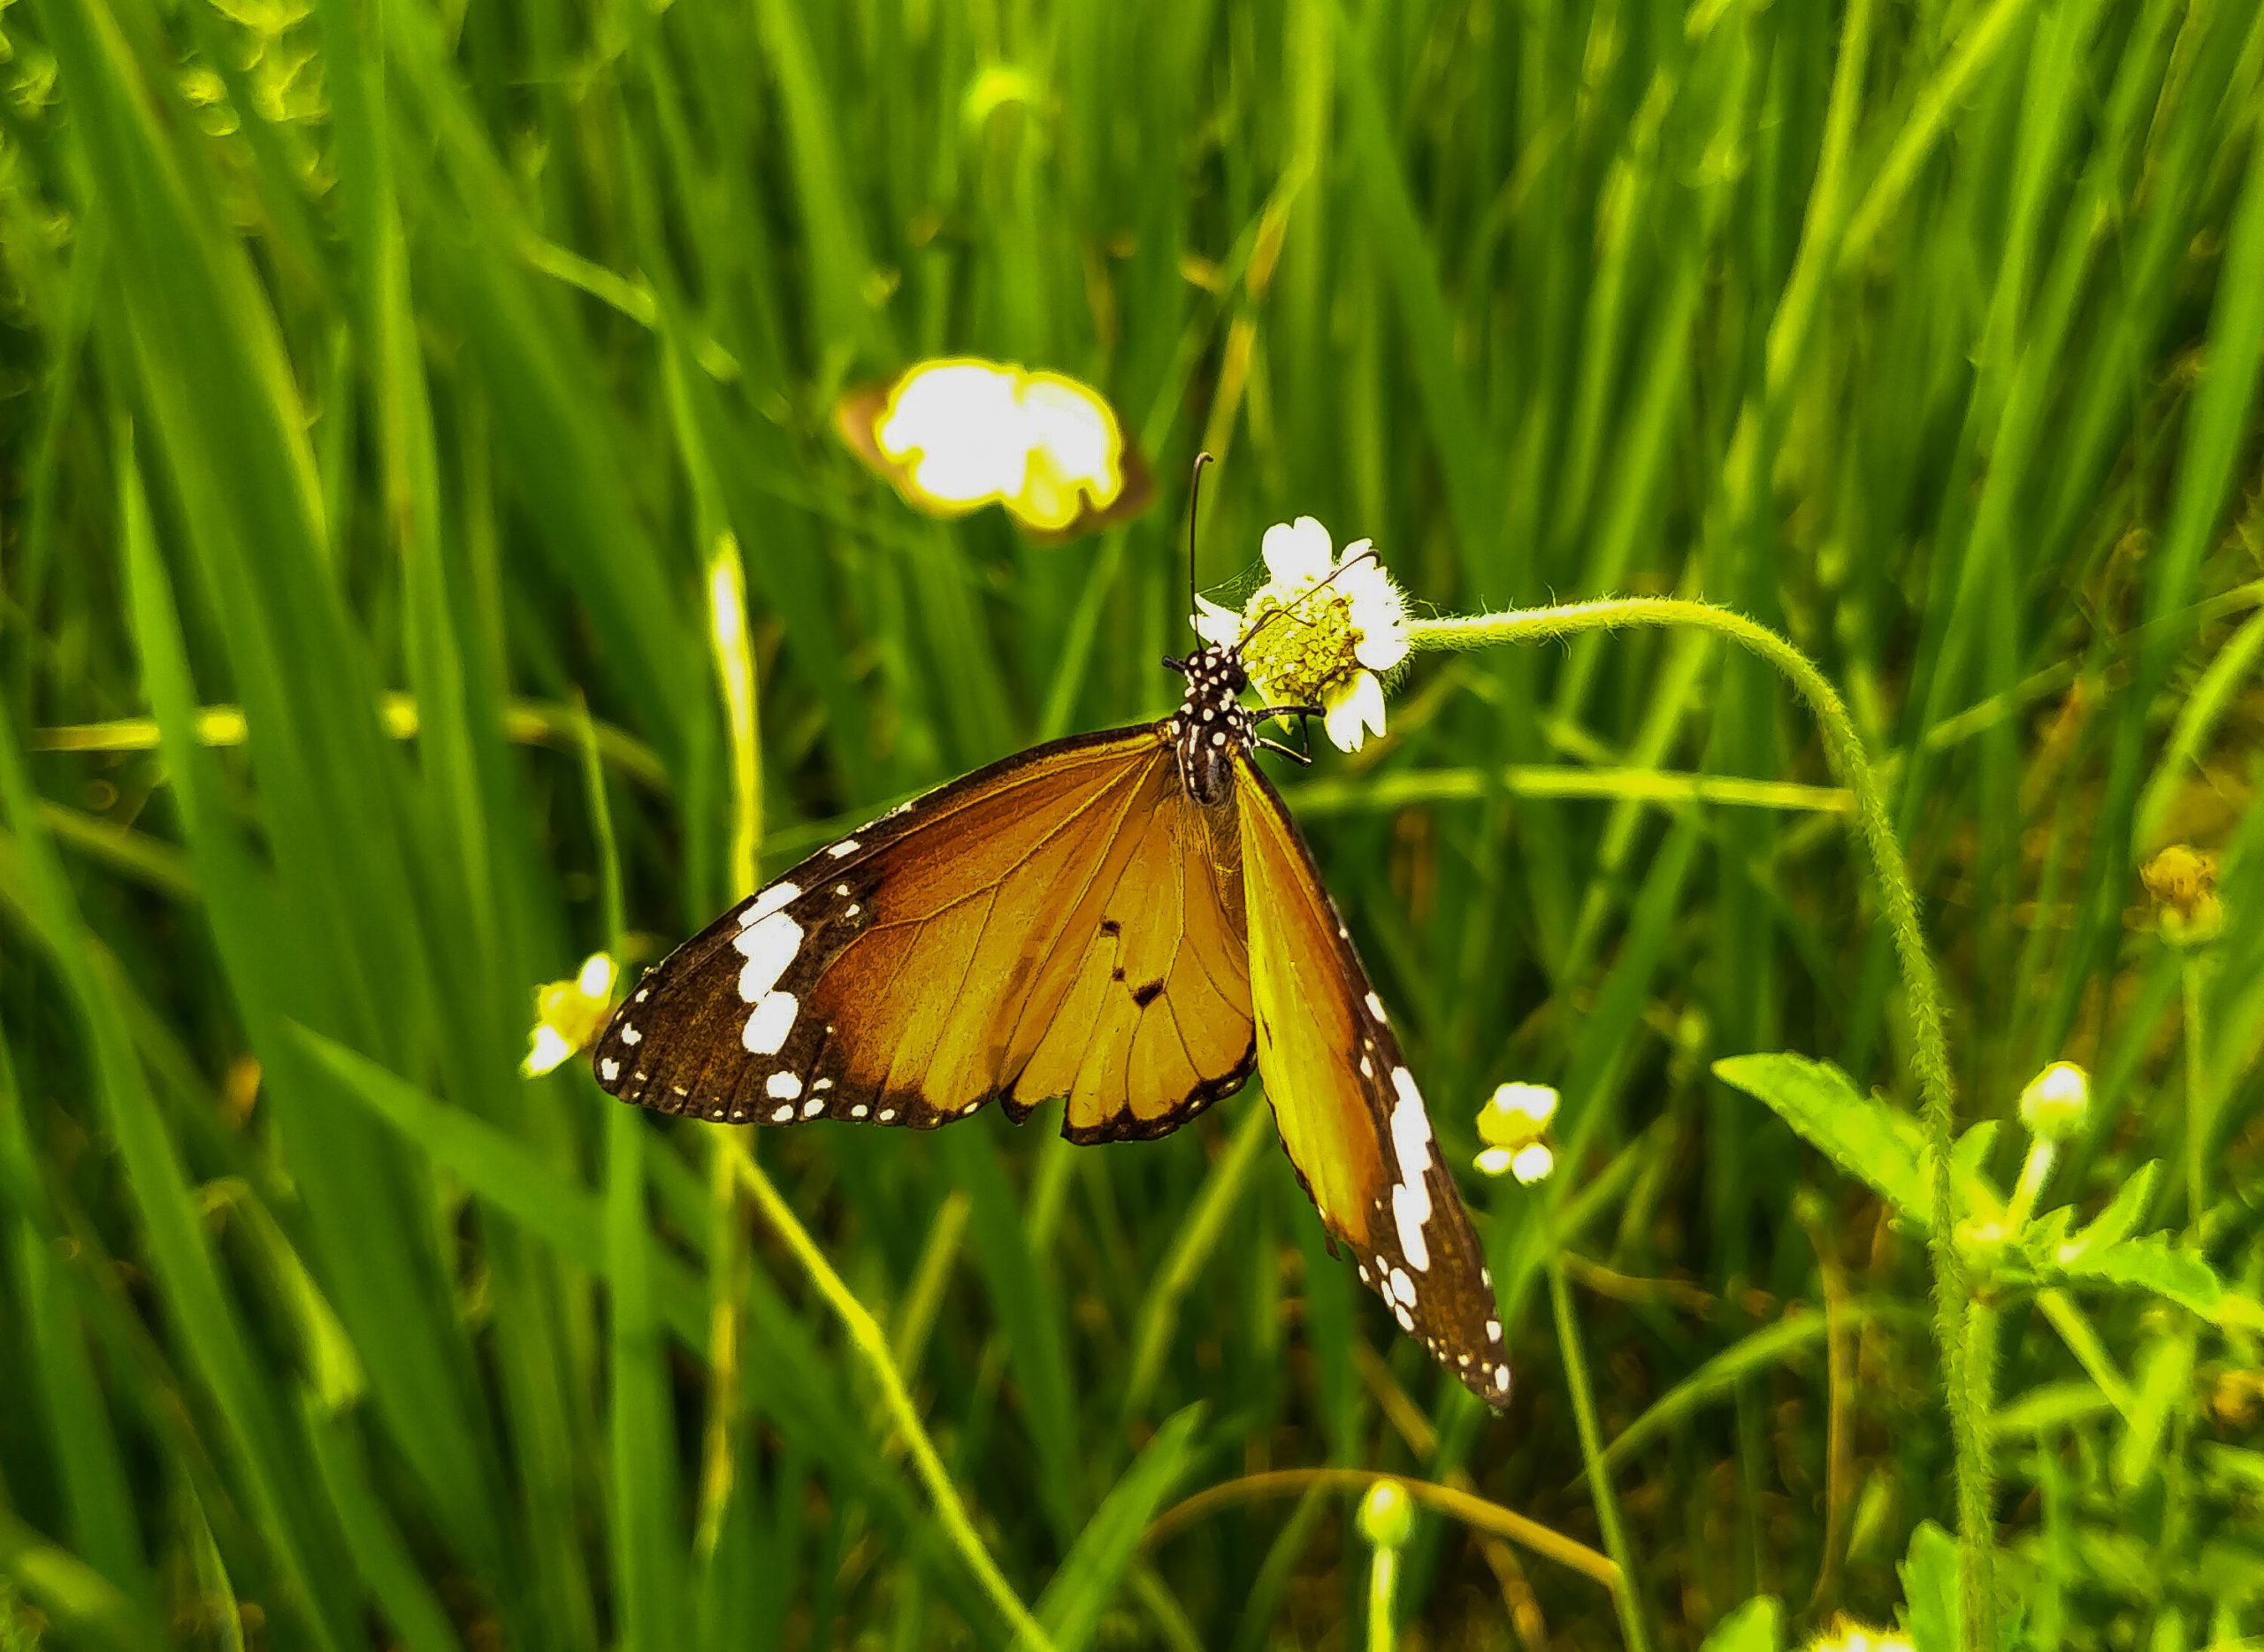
x=1209, y=728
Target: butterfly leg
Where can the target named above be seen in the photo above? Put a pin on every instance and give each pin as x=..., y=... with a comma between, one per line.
x=1301, y=712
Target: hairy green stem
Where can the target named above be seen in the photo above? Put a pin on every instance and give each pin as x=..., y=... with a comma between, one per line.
x=1929, y=1048
x=872, y=1343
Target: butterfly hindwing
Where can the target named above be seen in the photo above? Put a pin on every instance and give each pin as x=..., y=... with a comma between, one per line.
x=1064, y=923
x=1349, y=1110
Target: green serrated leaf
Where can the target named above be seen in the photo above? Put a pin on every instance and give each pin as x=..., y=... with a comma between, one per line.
x=1757, y=1627
x=1971, y=1152
x=2120, y=1219
x=2042, y=1238
x=1870, y=1140
x=2152, y=1264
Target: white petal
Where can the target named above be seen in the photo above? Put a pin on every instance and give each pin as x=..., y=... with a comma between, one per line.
x=1367, y=696
x=1221, y=627
x=1379, y=614
x=1381, y=647
x=1340, y=717
x=549, y=1051
x=1297, y=555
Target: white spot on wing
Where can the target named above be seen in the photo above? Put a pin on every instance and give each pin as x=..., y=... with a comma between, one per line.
x=1500, y=1376
x=1411, y=1196
x=847, y=846
x=609, y=1069
x=767, y=1027
x=767, y=902
x=1406, y=1319
x=629, y=1034
x=813, y=1107
x=1493, y=1330
x=783, y=1086
x=1403, y=1286
x=823, y=1084
x=1375, y=1008
x=782, y=1115
x=857, y=1111
x=769, y=945
x=1410, y=1224
x=887, y=1113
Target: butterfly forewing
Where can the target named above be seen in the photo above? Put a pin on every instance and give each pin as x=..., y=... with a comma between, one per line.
x=1059, y=923
x=1350, y=1114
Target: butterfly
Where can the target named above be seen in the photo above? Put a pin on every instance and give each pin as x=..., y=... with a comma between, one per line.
x=1127, y=920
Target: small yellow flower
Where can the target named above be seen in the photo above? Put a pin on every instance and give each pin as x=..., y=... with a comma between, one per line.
x=1344, y=627
x=2054, y=1104
x=1513, y=1123
x=1845, y=1636
x=2182, y=880
x=569, y=1015
x=1387, y=1514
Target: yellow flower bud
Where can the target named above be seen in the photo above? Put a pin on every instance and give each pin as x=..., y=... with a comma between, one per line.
x=1387, y=1514
x=2054, y=1104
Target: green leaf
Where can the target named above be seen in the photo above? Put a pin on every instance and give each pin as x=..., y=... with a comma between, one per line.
x=2152, y=1264
x=1970, y=1153
x=2120, y=1219
x=2164, y=1377
x=1757, y=1627
x=1929, y=1589
x=1081, y=1591
x=1864, y=1136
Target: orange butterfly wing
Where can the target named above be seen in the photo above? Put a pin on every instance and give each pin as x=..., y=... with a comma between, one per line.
x=1065, y=923
x=1349, y=1111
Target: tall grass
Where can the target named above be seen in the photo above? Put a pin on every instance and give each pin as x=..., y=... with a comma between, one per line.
x=395, y=374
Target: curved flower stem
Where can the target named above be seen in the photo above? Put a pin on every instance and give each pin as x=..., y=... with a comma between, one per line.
x=872, y=1344
x=1929, y=1050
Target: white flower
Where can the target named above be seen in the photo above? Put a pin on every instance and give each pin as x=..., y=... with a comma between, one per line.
x=1512, y=1124
x=1342, y=623
x=1528, y=1164
x=1518, y=1113
x=569, y=1015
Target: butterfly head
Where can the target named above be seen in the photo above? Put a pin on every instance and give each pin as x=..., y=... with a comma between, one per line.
x=1210, y=729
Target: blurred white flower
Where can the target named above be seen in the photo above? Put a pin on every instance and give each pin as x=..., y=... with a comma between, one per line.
x=1342, y=623
x=1518, y=1113
x=569, y=1015
x=1532, y=1163
x=1513, y=1124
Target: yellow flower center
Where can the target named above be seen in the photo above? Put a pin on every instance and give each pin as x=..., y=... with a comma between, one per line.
x=1297, y=659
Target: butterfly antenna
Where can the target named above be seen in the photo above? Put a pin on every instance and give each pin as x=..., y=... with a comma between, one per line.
x=1194, y=498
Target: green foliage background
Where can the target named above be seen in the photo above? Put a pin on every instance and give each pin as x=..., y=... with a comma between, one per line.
x=429, y=349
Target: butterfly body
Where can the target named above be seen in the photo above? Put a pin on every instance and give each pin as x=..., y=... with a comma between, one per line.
x=1127, y=921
